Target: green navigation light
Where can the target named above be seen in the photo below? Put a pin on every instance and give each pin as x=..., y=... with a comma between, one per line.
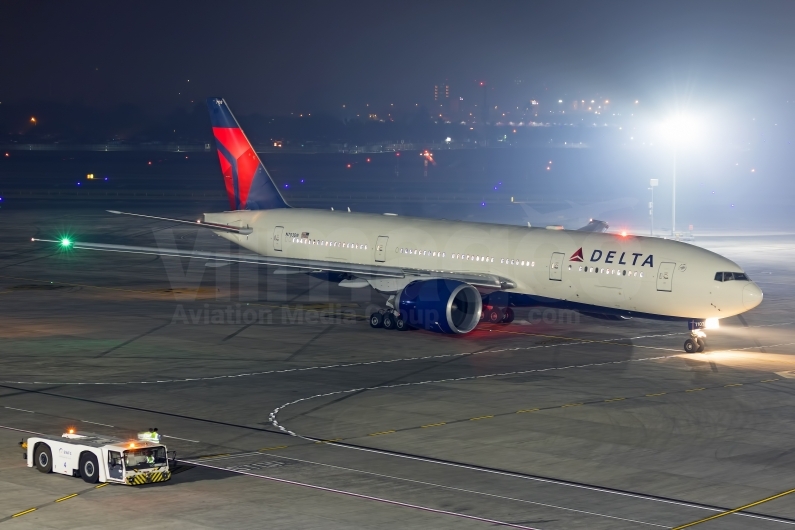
x=65, y=242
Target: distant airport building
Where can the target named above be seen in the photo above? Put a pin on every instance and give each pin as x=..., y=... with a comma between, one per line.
x=441, y=91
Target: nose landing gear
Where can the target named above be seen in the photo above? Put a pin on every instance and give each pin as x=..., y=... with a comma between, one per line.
x=697, y=342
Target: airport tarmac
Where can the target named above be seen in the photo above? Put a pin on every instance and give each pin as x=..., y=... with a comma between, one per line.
x=288, y=411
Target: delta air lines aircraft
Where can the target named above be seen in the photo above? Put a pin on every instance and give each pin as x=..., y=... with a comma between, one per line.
x=446, y=276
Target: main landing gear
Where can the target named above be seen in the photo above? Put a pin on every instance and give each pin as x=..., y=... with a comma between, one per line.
x=697, y=342
x=497, y=315
x=388, y=319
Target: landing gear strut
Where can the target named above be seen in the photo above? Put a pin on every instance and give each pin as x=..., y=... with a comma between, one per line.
x=697, y=342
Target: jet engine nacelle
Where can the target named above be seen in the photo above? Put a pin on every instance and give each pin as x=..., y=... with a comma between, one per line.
x=443, y=306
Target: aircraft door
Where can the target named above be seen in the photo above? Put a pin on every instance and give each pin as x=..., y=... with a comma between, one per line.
x=277, y=238
x=380, y=248
x=665, y=276
x=556, y=266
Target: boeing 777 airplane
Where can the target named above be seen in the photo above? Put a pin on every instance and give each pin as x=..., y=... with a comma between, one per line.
x=446, y=276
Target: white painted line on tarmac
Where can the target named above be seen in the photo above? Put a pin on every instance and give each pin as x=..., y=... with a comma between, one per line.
x=21, y=430
x=178, y=438
x=569, y=342
x=97, y=423
x=274, y=414
x=367, y=497
x=474, y=492
x=21, y=410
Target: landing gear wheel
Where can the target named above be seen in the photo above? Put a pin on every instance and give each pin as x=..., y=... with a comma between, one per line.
x=89, y=468
x=400, y=324
x=389, y=321
x=702, y=344
x=43, y=458
x=509, y=316
x=376, y=320
x=495, y=315
x=691, y=346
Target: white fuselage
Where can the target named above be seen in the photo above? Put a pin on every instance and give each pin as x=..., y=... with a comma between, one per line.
x=636, y=274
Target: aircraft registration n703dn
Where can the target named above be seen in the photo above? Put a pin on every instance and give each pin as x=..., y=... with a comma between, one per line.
x=446, y=276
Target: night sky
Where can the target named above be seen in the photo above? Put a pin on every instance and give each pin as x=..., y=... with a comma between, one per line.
x=282, y=57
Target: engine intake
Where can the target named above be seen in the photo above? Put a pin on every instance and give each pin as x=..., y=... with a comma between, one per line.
x=443, y=306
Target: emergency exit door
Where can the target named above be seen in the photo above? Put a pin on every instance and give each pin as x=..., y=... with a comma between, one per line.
x=380, y=248
x=277, y=238
x=556, y=266
x=665, y=276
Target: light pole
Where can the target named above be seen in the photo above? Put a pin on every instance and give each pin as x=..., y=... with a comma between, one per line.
x=673, y=199
x=652, y=184
x=680, y=130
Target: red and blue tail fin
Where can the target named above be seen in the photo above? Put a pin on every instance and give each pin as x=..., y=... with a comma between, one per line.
x=248, y=184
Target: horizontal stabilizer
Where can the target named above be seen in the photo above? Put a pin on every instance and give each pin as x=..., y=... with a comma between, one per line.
x=198, y=223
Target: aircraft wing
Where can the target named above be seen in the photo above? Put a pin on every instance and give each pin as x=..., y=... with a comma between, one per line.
x=299, y=265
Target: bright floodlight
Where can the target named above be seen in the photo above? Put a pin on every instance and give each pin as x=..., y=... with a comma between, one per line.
x=65, y=242
x=681, y=129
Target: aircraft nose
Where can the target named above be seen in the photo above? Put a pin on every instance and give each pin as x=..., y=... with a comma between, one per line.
x=752, y=296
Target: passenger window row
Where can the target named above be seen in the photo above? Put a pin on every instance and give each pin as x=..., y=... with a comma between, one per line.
x=416, y=252
x=730, y=276
x=323, y=243
x=521, y=263
x=615, y=272
x=470, y=257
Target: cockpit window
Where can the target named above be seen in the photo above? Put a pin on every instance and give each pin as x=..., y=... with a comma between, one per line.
x=729, y=276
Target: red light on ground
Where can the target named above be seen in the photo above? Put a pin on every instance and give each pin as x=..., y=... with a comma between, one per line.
x=150, y=163
x=623, y=233
x=7, y=154
x=368, y=160
x=349, y=166
x=397, y=154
